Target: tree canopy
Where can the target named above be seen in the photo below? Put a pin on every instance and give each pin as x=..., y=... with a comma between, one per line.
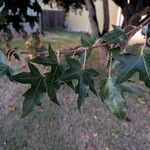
x=16, y=12
x=133, y=10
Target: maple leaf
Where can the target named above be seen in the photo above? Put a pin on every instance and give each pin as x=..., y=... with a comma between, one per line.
x=134, y=63
x=86, y=41
x=84, y=77
x=51, y=85
x=33, y=96
x=51, y=59
x=51, y=77
x=112, y=95
x=116, y=35
x=5, y=68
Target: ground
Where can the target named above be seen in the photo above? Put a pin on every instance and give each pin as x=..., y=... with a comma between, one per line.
x=64, y=128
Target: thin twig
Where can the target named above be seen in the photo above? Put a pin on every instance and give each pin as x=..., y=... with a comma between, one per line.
x=97, y=44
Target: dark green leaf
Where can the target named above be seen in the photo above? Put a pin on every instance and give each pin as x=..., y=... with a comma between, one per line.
x=87, y=40
x=84, y=77
x=52, y=85
x=46, y=60
x=116, y=35
x=115, y=51
x=131, y=87
x=134, y=63
x=35, y=94
x=33, y=97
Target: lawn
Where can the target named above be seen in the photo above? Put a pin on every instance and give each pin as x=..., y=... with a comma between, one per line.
x=64, y=128
x=58, y=38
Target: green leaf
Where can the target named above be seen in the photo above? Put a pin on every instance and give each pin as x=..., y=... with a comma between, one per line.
x=87, y=40
x=51, y=82
x=52, y=85
x=112, y=97
x=35, y=94
x=5, y=68
x=131, y=87
x=116, y=35
x=84, y=78
x=33, y=97
x=115, y=51
x=134, y=49
x=132, y=64
x=46, y=60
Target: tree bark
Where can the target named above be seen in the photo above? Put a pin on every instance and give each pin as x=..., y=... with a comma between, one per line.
x=92, y=17
x=133, y=11
x=106, y=16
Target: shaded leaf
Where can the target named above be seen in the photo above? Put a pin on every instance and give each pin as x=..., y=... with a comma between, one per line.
x=51, y=83
x=46, y=60
x=131, y=87
x=134, y=63
x=84, y=78
x=87, y=40
x=116, y=35
x=115, y=51
x=33, y=96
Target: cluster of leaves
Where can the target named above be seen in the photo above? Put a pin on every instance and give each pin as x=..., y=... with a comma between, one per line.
x=76, y=4
x=71, y=67
x=16, y=12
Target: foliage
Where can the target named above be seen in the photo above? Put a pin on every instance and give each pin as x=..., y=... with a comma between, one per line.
x=15, y=12
x=70, y=69
x=69, y=66
x=76, y=4
x=133, y=10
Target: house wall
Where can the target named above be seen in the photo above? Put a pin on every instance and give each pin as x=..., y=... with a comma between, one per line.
x=79, y=20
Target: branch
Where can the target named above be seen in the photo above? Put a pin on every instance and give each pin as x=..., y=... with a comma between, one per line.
x=99, y=43
x=138, y=14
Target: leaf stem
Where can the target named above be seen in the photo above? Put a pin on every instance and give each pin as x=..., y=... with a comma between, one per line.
x=84, y=62
x=45, y=70
x=110, y=67
x=58, y=55
x=142, y=50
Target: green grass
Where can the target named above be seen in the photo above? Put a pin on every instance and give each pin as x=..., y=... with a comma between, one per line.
x=59, y=39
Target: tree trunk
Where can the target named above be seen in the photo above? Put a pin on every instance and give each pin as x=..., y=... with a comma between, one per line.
x=92, y=17
x=106, y=16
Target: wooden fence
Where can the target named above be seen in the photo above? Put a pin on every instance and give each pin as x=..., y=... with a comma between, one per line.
x=52, y=18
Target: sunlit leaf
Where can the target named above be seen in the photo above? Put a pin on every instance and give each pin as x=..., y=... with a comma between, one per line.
x=112, y=97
